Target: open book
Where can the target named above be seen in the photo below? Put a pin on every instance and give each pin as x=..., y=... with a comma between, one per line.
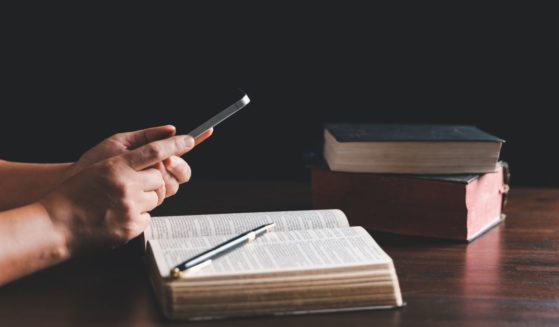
x=312, y=261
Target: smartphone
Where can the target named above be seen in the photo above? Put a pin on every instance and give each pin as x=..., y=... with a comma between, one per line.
x=234, y=99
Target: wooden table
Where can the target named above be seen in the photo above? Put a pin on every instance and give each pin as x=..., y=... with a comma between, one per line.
x=510, y=276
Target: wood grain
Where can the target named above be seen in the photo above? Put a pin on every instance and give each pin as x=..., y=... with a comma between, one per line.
x=508, y=277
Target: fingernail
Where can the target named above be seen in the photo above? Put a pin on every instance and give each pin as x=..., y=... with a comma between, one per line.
x=188, y=141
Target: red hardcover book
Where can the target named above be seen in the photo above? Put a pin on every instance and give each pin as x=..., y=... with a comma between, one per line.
x=459, y=207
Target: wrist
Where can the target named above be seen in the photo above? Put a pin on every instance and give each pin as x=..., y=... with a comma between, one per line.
x=70, y=170
x=57, y=210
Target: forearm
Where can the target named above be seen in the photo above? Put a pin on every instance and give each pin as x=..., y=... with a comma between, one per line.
x=29, y=241
x=24, y=183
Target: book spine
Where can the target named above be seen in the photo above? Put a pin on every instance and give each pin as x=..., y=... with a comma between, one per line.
x=484, y=200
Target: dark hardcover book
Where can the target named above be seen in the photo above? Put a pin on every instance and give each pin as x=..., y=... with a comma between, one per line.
x=404, y=132
x=458, y=207
x=410, y=149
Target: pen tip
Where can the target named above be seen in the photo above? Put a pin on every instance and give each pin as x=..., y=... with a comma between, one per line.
x=175, y=272
x=270, y=226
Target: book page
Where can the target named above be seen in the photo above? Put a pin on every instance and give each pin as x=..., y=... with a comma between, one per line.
x=276, y=251
x=236, y=223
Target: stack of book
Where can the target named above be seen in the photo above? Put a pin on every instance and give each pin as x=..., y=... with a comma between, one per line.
x=441, y=181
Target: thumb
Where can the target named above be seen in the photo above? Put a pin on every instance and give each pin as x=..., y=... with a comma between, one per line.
x=136, y=139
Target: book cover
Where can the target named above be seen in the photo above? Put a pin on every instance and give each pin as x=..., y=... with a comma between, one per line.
x=459, y=207
x=347, y=132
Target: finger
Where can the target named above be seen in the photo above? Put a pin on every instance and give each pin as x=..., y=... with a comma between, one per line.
x=177, y=167
x=162, y=190
x=202, y=137
x=135, y=139
x=144, y=221
x=151, y=179
x=148, y=201
x=171, y=186
x=154, y=152
x=171, y=183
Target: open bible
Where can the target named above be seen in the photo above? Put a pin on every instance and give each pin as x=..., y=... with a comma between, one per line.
x=312, y=261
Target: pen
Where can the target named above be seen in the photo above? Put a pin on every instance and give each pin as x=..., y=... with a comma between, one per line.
x=205, y=258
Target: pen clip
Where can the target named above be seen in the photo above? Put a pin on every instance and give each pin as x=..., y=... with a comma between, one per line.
x=251, y=236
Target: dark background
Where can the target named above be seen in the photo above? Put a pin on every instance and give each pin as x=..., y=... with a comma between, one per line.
x=72, y=76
